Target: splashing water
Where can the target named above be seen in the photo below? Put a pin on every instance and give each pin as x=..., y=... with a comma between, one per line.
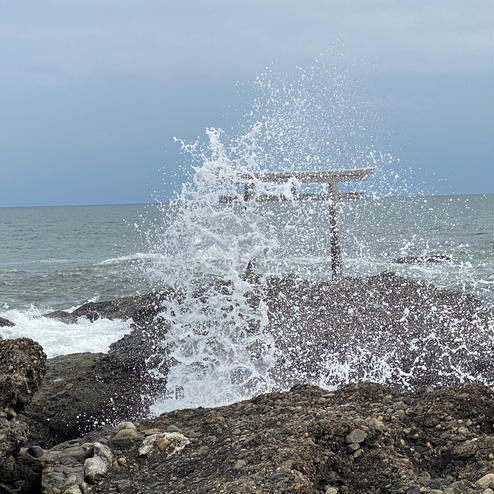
x=217, y=343
x=229, y=334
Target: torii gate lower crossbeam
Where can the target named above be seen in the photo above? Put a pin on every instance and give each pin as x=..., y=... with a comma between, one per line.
x=331, y=178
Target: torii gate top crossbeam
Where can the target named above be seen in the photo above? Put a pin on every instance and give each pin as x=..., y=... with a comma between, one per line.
x=329, y=176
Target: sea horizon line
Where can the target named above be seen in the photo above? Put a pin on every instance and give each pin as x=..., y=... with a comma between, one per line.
x=156, y=203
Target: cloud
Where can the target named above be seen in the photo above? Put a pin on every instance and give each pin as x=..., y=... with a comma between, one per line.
x=125, y=74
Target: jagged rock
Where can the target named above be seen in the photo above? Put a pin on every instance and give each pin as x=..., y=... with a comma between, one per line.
x=22, y=367
x=310, y=321
x=134, y=352
x=360, y=324
x=13, y=434
x=63, y=467
x=171, y=442
x=140, y=308
x=378, y=316
x=316, y=322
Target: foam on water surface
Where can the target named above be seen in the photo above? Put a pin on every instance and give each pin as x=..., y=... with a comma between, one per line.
x=59, y=338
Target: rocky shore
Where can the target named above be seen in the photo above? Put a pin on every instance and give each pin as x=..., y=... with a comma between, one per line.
x=77, y=423
x=361, y=438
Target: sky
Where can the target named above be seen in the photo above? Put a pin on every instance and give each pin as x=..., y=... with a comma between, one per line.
x=93, y=92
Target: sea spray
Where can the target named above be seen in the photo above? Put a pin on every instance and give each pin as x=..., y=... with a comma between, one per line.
x=230, y=333
x=217, y=347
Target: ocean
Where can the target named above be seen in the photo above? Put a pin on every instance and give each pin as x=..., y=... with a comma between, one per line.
x=55, y=258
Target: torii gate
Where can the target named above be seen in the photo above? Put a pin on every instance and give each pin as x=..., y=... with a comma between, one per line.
x=331, y=178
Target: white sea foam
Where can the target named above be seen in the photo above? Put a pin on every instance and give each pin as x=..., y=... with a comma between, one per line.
x=59, y=338
x=136, y=257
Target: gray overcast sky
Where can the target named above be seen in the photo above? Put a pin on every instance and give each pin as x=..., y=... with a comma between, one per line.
x=92, y=92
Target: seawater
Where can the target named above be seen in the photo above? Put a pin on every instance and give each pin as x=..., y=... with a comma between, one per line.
x=54, y=258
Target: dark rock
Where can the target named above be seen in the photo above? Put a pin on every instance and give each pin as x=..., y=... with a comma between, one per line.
x=361, y=322
x=279, y=442
x=81, y=392
x=135, y=352
x=22, y=367
x=312, y=322
x=61, y=315
x=13, y=434
x=435, y=484
x=284, y=447
x=140, y=309
x=377, y=316
x=6, y=323
x=36, y=451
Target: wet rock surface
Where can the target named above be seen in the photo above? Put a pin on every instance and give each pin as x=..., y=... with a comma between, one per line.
x=420, y=334
x=141, y=309
x=82, y=391
x=22, y=367
x=402, y=332
x=5, y=323
x=361, y=438
x=134, y=352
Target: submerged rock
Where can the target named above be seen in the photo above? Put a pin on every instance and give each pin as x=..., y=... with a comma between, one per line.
x=5, y=323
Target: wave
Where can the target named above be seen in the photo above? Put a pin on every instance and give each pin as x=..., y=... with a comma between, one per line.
x=59, y=338
x=138, y=256
x=54, y=261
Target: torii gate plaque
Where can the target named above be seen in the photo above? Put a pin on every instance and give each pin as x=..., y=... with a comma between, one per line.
x=331, y=178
